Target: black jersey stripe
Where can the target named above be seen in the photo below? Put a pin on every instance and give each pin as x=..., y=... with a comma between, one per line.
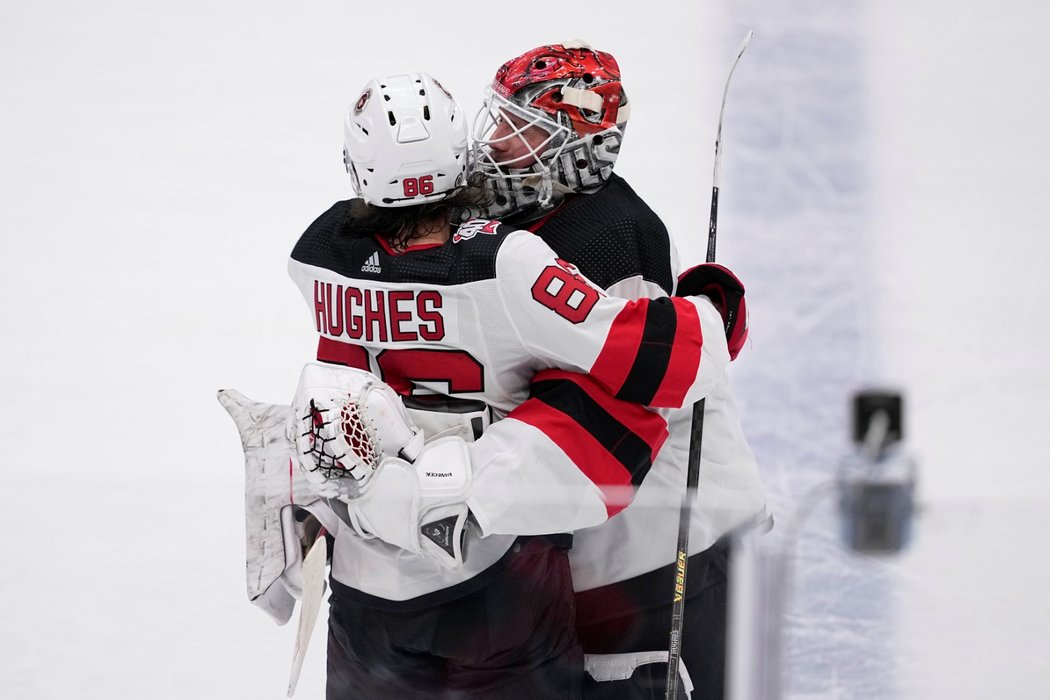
x=654, y=353
x=628, y=448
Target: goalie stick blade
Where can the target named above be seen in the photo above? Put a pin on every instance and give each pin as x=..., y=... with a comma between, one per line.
x=313, y=593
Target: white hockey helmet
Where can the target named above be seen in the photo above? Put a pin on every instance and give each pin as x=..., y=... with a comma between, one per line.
x=574, y=94
x=405, y=141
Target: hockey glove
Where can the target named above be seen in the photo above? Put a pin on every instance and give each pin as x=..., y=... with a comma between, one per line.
x=346, y=421
x=421, y=506
x=356, y=444
x=726, y=292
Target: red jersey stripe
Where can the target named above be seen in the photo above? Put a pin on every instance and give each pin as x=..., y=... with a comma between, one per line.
x=647, y=424
x=590, y=456
x=617, y=356
x=340, y=353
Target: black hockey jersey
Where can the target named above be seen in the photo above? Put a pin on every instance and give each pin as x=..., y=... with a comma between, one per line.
x=615, y=239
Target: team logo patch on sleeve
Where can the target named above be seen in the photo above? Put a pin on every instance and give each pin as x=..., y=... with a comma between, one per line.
x=472, y=227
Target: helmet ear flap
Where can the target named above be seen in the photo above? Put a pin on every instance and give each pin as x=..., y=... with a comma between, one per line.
x=355, y=179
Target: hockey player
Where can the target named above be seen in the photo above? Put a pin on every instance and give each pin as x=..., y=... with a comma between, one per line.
x=547, y=139
x=474, y=313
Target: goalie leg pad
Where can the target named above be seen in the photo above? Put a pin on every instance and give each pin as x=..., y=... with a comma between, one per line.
x=272, y=484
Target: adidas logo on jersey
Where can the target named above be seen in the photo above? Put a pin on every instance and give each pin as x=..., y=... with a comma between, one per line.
x=372, y=264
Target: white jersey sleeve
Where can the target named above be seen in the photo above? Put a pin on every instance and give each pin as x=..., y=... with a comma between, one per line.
x=568, y=458
x=665, y=352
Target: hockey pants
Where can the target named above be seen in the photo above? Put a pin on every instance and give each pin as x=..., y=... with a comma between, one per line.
x=513, y=638
x=635, y=616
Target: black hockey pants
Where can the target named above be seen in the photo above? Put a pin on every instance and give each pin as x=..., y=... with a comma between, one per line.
x=635, y=615
x=513, y=638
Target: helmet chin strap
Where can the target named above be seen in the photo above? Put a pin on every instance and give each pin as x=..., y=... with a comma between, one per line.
x=546, y=187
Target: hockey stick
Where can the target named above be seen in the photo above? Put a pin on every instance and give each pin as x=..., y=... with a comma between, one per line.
x=696, y=433
x=313, y=592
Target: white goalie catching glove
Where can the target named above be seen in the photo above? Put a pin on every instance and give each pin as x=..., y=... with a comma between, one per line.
x=346, y=421
x=357, y=445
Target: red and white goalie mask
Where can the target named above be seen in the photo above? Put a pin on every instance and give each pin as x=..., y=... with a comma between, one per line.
x=551, y=123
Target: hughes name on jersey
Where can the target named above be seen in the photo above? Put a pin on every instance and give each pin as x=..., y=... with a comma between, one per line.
x=477, y=318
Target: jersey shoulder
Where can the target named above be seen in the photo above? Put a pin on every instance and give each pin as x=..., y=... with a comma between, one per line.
x=318, y=245
x=612, y=235
x=332, y=243
x=476, y=243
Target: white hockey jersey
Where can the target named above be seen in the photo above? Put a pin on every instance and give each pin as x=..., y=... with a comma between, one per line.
x=615, y=239
x=477, y=318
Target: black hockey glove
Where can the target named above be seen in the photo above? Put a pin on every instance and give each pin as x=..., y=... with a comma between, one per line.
x=726, y=292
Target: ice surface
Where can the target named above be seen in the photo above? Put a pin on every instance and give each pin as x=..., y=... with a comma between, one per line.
x=882, y=197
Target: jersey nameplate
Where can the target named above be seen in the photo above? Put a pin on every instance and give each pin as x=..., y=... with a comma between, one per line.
x=378, y=315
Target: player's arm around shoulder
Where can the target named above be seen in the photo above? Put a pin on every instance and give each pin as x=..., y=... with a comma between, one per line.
x=663, y=352
x=567, y=458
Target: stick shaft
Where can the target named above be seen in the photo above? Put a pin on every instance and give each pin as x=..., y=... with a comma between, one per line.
x=696, y=434
x=712, y=228
x=716, y=175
